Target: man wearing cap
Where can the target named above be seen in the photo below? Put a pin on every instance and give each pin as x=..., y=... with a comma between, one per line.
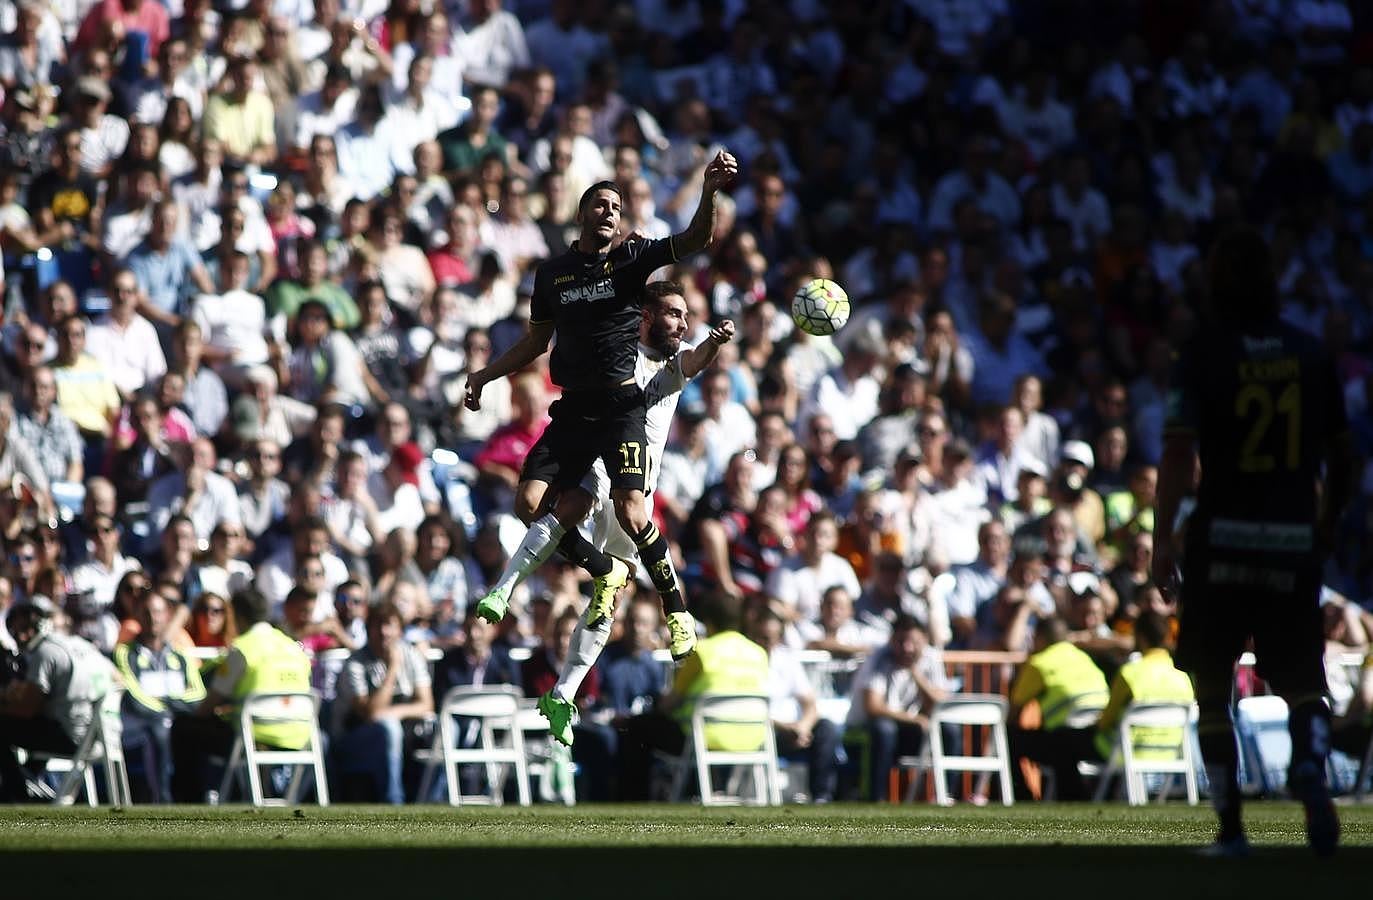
x=261, y=660
x=1068, y=487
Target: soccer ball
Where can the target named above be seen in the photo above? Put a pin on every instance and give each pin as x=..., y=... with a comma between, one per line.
x=820, y=307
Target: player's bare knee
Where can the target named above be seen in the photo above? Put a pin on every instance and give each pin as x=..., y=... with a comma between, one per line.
x=529, y=500
x=630, y=510
x=573, y=507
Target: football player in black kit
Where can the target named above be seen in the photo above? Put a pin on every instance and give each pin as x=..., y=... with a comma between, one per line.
x=590, y=298
x=1258, y=404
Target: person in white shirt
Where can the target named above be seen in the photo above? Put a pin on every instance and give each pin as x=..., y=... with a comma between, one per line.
x=125, y=343
x=100, y=573
x=892, y=697
x=729, y=427
x=492, y=43
x=196, y=491
x=326, y=110
x=233, y=322
x=277, y=574
x=800, y=732
x=223, y=573
x=802, y=580
x=848, y=393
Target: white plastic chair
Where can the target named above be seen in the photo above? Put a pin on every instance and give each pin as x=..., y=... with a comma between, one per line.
x=758, y=767
x=1125, y=759
x=1265, y=743
x=103, y=743
x=495, y=714
x=989, y=710
x=277, y=709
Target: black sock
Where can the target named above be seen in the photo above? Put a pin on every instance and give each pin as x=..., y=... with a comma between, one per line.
x=653, y=550
x=1308, y=721
x=579, y=551
x=1221, y=755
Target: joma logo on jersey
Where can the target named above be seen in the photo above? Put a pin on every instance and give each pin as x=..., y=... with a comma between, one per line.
x=601, y=290
x=564, y=279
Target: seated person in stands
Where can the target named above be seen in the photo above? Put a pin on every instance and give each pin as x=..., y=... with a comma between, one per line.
x=261, y=660
x=892, y=696
x=383, y=694
x=799, y=731
x=631, y=679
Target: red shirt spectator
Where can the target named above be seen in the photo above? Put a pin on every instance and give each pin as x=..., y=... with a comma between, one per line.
x=146, y=16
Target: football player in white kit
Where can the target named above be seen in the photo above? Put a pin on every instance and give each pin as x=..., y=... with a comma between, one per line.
x=663, y=368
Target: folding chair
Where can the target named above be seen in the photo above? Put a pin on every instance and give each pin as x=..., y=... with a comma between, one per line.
x=988, y=710
x=546, y=760
x=758, y=765
x=1265, y=743
x=277, y=709
x=103, y=743
x=1132, y=760
x=493, y=711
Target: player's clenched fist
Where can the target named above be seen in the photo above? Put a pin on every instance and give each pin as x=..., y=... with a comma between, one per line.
x=721, y=171
x=723, y=333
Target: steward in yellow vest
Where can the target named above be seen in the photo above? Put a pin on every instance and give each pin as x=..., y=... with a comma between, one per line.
x=262, y=660
x=725, y=662
x=1150, y=679
x=1059, y=675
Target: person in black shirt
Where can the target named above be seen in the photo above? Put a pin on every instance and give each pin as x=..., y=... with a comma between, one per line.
x=590, y=297
x=1259, y=404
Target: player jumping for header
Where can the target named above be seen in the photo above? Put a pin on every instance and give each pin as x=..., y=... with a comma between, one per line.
x=590, y=298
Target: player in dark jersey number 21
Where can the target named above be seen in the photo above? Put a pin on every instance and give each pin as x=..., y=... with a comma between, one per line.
x=1259, y=404
x=590, y=298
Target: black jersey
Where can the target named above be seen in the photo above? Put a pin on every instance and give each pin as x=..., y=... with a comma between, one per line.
x=593, y=301
x=1264, y=406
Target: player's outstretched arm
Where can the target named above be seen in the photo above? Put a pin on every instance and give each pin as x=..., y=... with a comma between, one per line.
x=529, y=348
x=695, y=360
x=720, y=174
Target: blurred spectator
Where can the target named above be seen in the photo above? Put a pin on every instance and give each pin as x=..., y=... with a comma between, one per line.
x=261, y=660
x=159, y=683
x=384, y=690
x=52, y=705
x=892, y=695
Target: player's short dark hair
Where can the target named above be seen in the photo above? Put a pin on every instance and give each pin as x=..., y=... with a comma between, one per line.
x=657, y=290
x=1152, y=630
x=1243, y=283
x=599, y=186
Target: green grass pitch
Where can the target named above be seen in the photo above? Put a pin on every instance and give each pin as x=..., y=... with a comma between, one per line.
x=667, y=851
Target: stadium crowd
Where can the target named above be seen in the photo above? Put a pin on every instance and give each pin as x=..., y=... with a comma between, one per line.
x=252, y=250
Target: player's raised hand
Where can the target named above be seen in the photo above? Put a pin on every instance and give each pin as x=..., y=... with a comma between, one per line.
x=721, y=171
x=723, y=333
x=472, y=397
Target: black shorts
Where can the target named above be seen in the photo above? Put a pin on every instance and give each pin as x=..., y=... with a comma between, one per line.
x=587, y=425
x=1227, y=599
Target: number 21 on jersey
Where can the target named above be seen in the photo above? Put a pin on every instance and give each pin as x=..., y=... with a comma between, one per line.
x=1266, y=409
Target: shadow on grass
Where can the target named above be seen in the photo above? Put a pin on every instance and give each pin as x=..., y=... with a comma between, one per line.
x=700, y=873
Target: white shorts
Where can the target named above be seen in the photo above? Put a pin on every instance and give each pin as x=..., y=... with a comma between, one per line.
x=606, y=533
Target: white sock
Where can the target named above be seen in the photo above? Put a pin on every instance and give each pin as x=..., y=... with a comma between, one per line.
x=587, y=644
x=538, y=545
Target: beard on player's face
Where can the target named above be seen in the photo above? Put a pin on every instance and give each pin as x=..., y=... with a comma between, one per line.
x=664, y=336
